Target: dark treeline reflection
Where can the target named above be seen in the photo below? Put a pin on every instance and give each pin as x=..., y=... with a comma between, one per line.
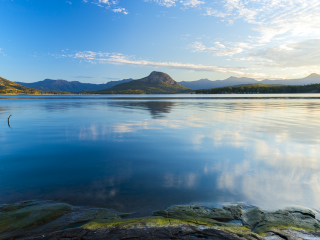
x=157, y=109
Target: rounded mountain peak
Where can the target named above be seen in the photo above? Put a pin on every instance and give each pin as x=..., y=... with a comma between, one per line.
x=158, y=77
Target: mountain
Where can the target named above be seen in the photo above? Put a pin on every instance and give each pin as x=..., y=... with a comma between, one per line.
x=232, y=81
x=74, y=86
x=155, y=83
x=9, y=87
x=206, y=83
x=311, y=79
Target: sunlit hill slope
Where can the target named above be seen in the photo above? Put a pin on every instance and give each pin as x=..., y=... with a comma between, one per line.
x=9, y=87
x=155, y=83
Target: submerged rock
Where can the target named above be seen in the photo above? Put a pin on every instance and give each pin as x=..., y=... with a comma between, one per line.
x=16, y=219
x=34, y=217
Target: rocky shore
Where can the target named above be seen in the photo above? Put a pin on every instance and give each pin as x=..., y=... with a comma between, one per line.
x=51, y=220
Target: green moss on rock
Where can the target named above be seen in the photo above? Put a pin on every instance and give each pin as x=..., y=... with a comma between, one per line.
x=214, y=216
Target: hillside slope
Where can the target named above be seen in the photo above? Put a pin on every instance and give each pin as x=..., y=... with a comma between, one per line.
x=74, y=86
x=155, y=83
x=9, y=87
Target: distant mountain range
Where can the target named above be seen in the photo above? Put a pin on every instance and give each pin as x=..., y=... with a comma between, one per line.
x=232, y=81
x=155, y=83
x=74, y=86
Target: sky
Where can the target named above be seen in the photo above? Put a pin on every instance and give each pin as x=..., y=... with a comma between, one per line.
x=98, y=41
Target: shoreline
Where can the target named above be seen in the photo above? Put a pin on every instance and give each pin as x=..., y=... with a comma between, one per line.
x=41, y=219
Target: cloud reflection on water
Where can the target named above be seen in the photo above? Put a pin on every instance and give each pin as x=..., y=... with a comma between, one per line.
x=281, y=163
x=263, y=152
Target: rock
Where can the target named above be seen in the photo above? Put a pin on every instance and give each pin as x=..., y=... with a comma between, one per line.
x=252, y=216
x=21, y=219
x=183, y=233
x=34, y=217
x=17, y=206
x=292, y=234
x=161, y=222
x=39, y=219
x=236, y=211
x=78, y=215
x=261, y=222
x=214, y=216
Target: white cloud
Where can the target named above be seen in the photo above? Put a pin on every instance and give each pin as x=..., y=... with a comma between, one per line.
x=296, y=54
x=185, y=3
x=166, y=3
x=120, y=10
x=109, y=4
x=219, y=49
x=192, y=3
x=120, y=59
x=273, y=18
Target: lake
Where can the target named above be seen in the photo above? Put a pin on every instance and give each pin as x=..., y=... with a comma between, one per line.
x=139, y=153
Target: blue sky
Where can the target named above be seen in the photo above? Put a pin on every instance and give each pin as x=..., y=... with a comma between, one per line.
x=102, y=40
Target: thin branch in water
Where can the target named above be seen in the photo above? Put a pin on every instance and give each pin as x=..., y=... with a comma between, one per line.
x=9, y=121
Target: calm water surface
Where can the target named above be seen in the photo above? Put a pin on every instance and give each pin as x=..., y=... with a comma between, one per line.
x=142, y=153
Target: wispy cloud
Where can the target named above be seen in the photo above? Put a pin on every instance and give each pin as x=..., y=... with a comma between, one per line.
x=272, y=18
x=184, y=3
x=110, y=4
x=81, y=77
x=220, y=49
x=295, y=54
x=120, y=59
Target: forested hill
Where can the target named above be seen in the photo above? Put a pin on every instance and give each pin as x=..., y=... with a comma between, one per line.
x=9, y=87
x=263, y=88
x=155, y=83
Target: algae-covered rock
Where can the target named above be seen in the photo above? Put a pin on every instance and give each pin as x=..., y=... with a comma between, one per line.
x=169, y=223
x=145, y=222
x=212, y=216
x=21, y=219
x=152, y=233
x=261, y=222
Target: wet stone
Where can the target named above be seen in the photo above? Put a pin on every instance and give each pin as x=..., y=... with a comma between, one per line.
x=143, y=234
x=261, y=222
x=35, y=217
x=202, y=214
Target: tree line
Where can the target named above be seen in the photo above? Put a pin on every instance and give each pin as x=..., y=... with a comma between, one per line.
x=251, y=89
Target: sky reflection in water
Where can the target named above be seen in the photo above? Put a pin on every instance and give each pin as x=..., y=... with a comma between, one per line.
x=149, y=154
